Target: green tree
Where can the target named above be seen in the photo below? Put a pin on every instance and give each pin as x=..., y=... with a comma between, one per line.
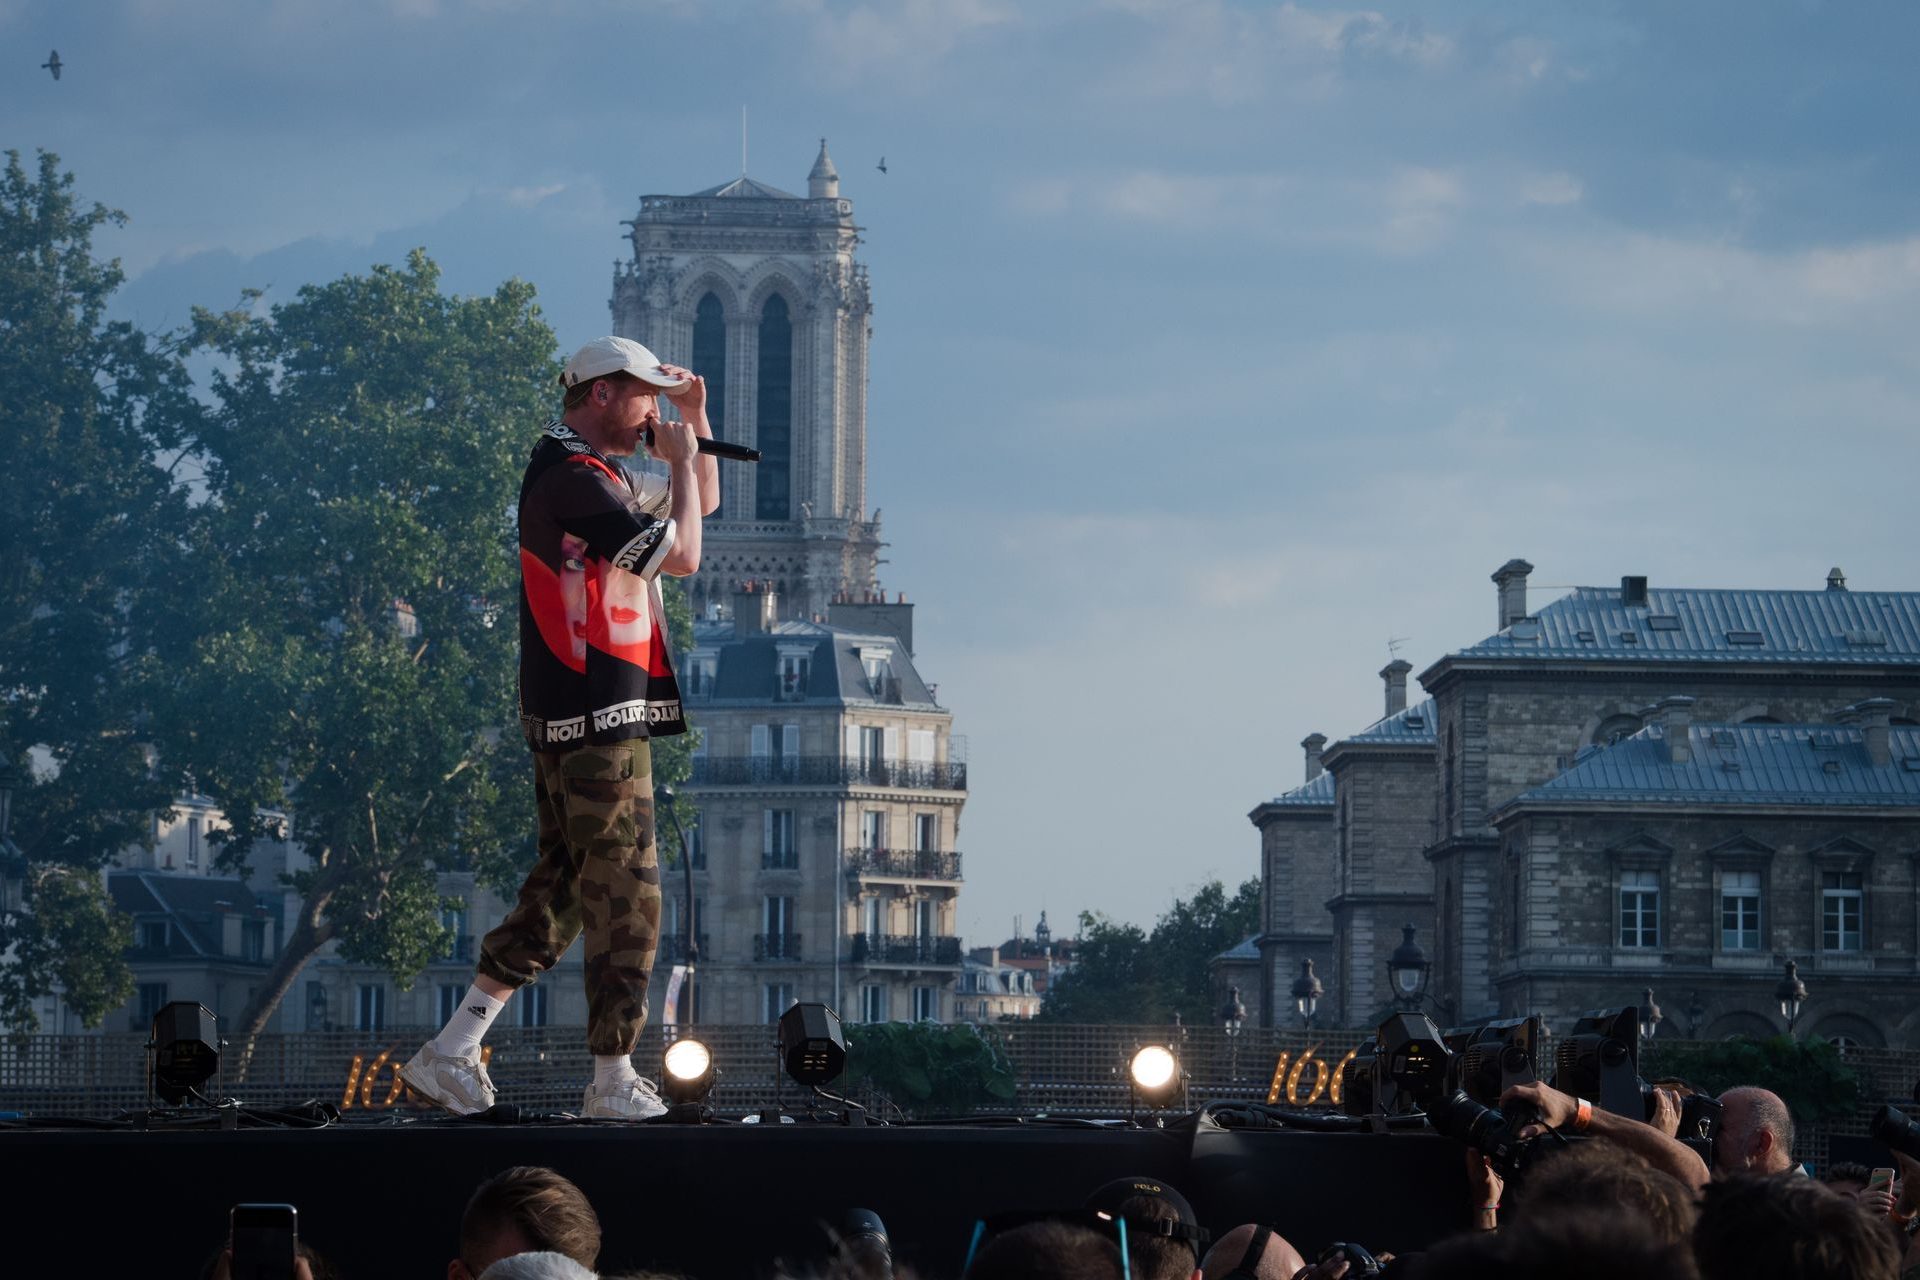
x=1122, y=974
x=96, y=420
x=930, y=1069
x=358, y=662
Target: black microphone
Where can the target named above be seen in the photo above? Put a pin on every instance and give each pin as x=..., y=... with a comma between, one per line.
x=719, y=448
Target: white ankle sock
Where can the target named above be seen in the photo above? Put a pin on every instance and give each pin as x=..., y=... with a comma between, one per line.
x=610, y=1071
x=460, y=1038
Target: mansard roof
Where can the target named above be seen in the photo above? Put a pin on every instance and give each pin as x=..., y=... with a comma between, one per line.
x=1697, y=625
x=1745, y=764
x=744, y=188
x=1317, y=794
x=748, y=667
x=195, y=903
x=1410, y=727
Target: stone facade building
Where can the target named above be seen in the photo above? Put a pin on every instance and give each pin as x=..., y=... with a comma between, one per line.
x=1538, y=853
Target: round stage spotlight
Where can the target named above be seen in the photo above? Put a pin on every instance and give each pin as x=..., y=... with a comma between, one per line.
x=686, y=1072
x=812, y=1048
x=1155, y=1073
x=186, y=1050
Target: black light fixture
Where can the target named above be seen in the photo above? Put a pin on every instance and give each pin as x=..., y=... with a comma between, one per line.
x=1307, y=992
x=1599, y=1059
x=686, y=1071
x=1791, y=993
x=1153, y=1075
x=185, y=1045
x=813, y=1049
x=1650, y=1015
x=1408, y=969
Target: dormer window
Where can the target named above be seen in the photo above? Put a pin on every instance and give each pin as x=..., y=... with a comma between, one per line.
x=878, y=665
x=795, y=674
x=697, y=680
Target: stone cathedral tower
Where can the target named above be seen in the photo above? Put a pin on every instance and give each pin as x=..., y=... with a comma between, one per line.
x=758, y=291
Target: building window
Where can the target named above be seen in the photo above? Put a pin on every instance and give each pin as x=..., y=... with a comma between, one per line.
x=780, y=941
x=872, y=918
x=777, y=745
x=193, y=843
x=873, y=829
x=926, y=1004
x=777, y=849
x=926, y=832
x=254, y=937
x=925, y=919
x=317, y=1015
x=873, y=1004
x=795, y=675
x=779, y=999
x=1841, y=900
x=710, y=360
x=774, y=413
x=153, y=997
x=1614, y=728
x=533, y=1006
x=459, y=940
x=1740, y=911
x=697, y=680
x=450, y=994
x=370, y=1009
x=1639, y=908
x=694, y=825
x=879, y=671
x=1513, y=911
x=153, y=935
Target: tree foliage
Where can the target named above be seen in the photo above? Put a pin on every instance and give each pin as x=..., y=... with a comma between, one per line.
x=357, y=659
x=95, y=536
x=929, y=1069
x=1809, y=1075
x=1122, y=974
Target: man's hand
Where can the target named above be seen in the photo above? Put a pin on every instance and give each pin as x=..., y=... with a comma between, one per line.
x=1556, y=1109
x=674, y=442
x=1484, y=1186
x=1666, y=1112
x=1909, y=1181
x=690, y=400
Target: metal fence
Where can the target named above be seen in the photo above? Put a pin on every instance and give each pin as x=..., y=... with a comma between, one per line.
x=1059, y=1069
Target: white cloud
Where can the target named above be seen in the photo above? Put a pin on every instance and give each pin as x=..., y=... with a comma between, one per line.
x=526, y=197
x=905, y=41
x=1551, y=189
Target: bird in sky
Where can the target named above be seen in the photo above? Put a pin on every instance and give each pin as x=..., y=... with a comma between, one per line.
x=52, y=64
x=882, y=166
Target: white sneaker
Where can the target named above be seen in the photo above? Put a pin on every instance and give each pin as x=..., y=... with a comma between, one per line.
x=460, y=1084
x=635, y=1099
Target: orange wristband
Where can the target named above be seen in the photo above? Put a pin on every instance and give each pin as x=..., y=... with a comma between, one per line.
x=1582, y=1117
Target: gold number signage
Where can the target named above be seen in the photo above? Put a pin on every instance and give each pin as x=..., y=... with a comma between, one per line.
x=1284, y=1088
x=363, y=1080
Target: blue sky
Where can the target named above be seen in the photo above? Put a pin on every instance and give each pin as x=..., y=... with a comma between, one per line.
x=1215, y=344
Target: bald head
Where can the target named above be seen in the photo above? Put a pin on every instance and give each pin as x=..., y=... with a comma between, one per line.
x=1278, y=1261
x=1756, y=1133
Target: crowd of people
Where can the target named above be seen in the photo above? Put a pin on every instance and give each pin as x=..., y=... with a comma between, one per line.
x=1621, y=1197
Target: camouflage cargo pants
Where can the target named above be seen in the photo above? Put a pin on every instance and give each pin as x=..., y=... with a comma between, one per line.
x=597, y=874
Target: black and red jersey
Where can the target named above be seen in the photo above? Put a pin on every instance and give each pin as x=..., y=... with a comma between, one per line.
x=595, y=665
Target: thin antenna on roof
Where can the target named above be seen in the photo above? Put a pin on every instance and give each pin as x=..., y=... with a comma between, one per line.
x=1394, y=643
x=743, y=139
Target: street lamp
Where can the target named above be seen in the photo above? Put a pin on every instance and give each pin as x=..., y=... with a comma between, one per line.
x=1650, y=1015
x=1407, y=970
x=1307, y=992
x=1233, y=1015
x=1791, y=993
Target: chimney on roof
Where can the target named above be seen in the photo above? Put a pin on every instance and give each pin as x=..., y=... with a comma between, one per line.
x=1836, y=580
x=1395, y=674
x=755, y=608
x=1511, y=579
x=1314, y=743
x=1675, y=717
x=1873, y=717
x=1633, y=592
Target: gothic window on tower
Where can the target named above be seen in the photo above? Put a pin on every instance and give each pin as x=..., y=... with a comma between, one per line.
x=710, y=362
x=774, y=413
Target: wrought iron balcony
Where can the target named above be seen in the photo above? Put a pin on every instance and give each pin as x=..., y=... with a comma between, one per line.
x=905, y=948
x=776, y=946
x=673, y=948
x=827, y=771
x=910, y=864
x=779, y=859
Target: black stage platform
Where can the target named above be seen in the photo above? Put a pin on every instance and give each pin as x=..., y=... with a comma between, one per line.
x=714, y=1201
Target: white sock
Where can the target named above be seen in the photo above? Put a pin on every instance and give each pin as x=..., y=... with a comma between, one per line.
x=611, y=1070
x=460, y=1038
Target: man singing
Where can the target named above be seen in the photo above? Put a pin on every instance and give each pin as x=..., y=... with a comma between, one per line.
x=596, y=682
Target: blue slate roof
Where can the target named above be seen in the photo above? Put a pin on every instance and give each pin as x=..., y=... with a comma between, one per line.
x=1410, y=727
x=1242, y=950
x=1698, y=625
x=743, y=188
x=1756, y=764
x=1317, y=794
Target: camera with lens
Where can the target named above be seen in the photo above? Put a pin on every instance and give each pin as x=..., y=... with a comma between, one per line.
x=1894, y=1129
x=1360, y=1261
x=1492, y=1131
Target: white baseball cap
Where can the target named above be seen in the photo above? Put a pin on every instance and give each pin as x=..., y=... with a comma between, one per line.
x=608, y=355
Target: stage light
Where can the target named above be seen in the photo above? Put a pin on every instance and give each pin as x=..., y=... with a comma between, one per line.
x=1599, y=1061
x=1155, y=1074
x=812, y=1048
x=186, y=1050
x=686, y=1072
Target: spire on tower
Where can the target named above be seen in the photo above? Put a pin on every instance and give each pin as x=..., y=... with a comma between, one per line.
x=824, y=181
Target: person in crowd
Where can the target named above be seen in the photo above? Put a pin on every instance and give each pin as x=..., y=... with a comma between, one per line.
x=1769, y=1227
x=1047, y=1250
x=525, y=1209
x=1893, y=1203
x=1164, y=1238
x=1572, y=1182
x=1252, y=1252
x=1602, y=1244
x=538, y=1266
x=1755, y=1133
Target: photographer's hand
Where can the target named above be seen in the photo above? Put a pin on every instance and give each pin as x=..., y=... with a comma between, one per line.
x=1564, y=1111
x=1485, y=1187
x=1666, y=1112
